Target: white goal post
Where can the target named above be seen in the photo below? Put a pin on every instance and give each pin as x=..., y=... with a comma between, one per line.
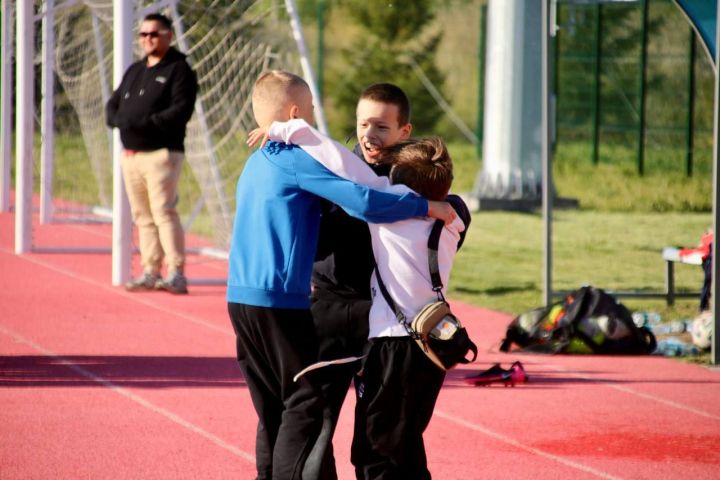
x=86, y=47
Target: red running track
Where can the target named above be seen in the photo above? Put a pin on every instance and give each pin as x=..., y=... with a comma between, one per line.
x=98, y=383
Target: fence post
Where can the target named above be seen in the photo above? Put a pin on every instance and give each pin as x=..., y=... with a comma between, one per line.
x=307, y=70
x=481, y=80
x=596, y=86
x=643, y=77
x=554, y=79
x=690, y=130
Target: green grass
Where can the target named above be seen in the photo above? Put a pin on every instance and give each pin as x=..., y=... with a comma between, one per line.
x=500, y=265
x=75, y=166
x=614, y=184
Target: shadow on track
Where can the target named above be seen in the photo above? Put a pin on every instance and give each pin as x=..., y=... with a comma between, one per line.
x=125, y=371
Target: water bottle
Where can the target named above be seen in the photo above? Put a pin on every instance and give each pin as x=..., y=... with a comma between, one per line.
x=674, y=347
x=676, y=326
x=646, y=319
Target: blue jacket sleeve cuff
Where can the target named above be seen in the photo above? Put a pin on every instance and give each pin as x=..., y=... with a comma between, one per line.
x=423, y=207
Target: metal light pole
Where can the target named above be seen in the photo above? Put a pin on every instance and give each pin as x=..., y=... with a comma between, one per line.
x=715, y=300
x=547, y=199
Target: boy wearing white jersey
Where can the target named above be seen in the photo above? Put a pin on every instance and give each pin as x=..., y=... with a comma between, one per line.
x=399, y=384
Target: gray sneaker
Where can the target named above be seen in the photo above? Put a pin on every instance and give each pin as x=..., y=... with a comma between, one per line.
x=145, y=282
x=175, y=283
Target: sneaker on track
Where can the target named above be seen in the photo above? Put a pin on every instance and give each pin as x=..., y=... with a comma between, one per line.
x=496, y=374
x=518, y=374
x=145, y=282
x=175, y=283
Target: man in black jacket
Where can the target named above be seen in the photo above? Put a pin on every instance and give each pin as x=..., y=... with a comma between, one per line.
x=151, y=107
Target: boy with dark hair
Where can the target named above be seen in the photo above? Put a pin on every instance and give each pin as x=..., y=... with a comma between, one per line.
x=343, y=264
x=399, y=385
x=273, y=242
x=382, y=120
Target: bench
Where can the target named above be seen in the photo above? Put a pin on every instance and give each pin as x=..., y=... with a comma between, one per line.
x=671, y=255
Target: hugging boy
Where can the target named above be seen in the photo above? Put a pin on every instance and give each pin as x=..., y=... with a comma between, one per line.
x=273, y=243
x=343, y=264
x=398, y=385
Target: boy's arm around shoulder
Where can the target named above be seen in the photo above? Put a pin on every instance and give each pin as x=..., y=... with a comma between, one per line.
x=333, y=155
x=345, y=164
x=360, y=201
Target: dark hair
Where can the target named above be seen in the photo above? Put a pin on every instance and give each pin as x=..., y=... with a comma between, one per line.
x=160, y=18
x=391, y=94
x=423, y=164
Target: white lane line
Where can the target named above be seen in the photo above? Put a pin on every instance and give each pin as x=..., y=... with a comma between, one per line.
x=173, y=417
x=515, y=443
x=647, y=396
x=129, y=296
x=664, y=401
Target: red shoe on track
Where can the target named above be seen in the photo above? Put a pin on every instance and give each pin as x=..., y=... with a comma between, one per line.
x=497, y=374
x=518, y=373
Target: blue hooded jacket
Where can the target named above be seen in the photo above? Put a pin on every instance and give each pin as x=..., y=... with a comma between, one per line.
x=277, y=221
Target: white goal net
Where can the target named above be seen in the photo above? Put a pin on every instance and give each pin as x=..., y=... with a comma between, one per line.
x=228, y=43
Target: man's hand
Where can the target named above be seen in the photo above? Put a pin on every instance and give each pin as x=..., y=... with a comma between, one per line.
x=258, y=134
x=442, y=211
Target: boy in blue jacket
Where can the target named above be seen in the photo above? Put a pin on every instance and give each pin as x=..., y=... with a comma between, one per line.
x=271, y=256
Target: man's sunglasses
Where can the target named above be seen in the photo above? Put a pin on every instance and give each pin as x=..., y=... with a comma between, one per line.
x=154, y=34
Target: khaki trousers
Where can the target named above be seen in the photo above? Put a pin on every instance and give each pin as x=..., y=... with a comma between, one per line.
x=151, y=180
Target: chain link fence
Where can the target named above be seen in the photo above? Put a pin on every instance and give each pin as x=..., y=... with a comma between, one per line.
x=633, y=82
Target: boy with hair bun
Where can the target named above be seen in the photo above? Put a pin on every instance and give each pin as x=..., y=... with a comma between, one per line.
x=398, y=385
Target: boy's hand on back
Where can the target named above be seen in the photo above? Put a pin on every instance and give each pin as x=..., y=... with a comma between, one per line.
x=442, y=211
x=258, y=134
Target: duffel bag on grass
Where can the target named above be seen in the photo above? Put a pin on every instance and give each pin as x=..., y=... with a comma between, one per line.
x=587, y=321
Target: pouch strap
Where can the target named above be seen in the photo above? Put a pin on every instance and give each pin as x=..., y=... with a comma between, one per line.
x=433, y=242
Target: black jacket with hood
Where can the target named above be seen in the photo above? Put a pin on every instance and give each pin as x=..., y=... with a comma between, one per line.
x=153, y=104
x=344, y=260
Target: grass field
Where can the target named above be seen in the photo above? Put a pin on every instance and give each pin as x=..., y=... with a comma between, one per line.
x=613, y=241
x=500, y=265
